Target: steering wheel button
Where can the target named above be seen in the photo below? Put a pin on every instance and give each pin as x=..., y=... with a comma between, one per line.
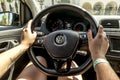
x=85, y=36
x=80, y=36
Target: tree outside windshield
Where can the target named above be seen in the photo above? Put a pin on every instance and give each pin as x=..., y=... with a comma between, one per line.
x=95, y=7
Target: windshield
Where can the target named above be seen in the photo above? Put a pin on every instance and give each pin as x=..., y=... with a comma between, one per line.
x=95, y=7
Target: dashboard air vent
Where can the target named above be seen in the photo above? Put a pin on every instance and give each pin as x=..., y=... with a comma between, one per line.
x=110, y=23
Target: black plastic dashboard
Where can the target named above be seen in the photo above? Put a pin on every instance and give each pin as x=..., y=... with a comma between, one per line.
x=62, y=20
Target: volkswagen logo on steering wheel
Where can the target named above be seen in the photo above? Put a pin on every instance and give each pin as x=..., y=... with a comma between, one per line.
x=60, y=39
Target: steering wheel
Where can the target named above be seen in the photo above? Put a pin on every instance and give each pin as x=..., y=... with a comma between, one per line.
x=62, y=45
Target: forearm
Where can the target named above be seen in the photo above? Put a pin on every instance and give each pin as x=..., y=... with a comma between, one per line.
x=9, y=57
x=105, y=72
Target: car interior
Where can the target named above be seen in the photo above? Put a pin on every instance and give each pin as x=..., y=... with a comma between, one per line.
x=64, y=29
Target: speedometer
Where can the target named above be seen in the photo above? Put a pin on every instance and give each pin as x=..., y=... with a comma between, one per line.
x=80, y=26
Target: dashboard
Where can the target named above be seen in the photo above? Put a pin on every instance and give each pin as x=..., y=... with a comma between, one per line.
x=62, y=21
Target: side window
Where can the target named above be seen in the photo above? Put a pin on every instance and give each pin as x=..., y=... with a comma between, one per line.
x=9, y=12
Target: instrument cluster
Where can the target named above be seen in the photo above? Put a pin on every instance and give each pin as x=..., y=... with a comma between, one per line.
x=66, y=22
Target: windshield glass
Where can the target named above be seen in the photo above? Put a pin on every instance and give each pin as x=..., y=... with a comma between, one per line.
x=95, y=7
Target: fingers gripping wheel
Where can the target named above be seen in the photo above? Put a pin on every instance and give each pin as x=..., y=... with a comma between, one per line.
x=62, y=45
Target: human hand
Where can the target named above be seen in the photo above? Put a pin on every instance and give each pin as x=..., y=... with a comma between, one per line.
x=98, y=46
x=28, y=37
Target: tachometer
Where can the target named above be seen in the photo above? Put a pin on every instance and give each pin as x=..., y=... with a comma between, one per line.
x=56, y=24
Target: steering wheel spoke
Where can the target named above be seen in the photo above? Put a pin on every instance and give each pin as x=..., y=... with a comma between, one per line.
x=83, y=38
x=39, y=40
x=62, y=66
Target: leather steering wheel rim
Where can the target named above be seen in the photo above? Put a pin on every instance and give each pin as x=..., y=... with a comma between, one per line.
x=93, y=27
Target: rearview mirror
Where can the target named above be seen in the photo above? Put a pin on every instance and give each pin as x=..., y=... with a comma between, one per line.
x=9, y=19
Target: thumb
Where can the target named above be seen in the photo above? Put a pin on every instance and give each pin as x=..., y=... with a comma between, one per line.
x=89, y=34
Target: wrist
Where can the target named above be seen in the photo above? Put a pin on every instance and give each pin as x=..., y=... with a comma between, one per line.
x=98, y=56
x=99, y=61
x=24, y=46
